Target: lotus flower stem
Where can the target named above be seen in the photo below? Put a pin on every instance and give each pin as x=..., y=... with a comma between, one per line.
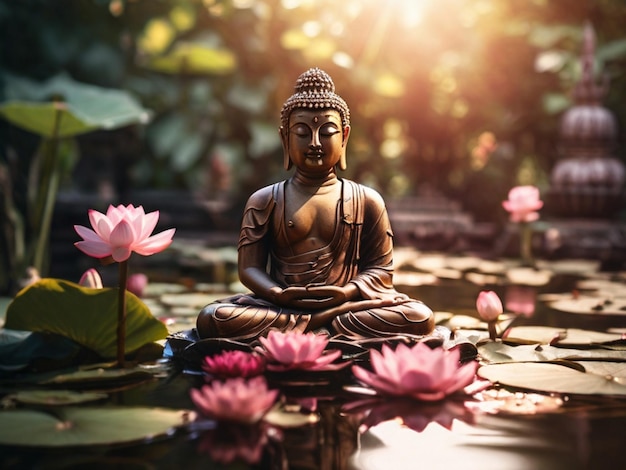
x=526, y=235
x=493, y=334
x=51, y=191
x=121, y=312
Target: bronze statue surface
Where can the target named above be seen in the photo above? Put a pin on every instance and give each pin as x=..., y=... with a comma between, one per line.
x=316, y=250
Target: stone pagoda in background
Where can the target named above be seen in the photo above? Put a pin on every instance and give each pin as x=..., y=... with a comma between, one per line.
x=588, y=180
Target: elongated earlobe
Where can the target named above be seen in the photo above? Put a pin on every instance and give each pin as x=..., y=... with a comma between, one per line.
x=287, y=163
x=343, y=161
x=343, y=164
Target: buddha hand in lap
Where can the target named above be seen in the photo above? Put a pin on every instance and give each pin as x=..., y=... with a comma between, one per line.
x=316, y=250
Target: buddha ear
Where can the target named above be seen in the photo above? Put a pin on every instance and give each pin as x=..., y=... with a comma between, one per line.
x=343, y=163
x=287, y=163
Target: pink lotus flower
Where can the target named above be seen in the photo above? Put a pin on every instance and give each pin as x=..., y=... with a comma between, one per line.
x=489, y=305
x=234, y=442
x=521, y=300
x=234, y=364
x=91, y=278
x=415, y=415
x=137, y=283
x=294, y=350
x=418, y=372
x=121, y=231
x=523, y=203
x=237, y=399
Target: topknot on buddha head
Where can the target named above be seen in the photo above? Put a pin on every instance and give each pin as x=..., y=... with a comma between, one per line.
x=315, y=90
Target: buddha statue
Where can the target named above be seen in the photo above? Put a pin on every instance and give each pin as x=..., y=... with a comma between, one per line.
x=316, y=250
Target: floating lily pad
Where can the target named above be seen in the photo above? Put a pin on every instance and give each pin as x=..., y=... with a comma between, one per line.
x=155, y=289
x=406, y=278
x=429, y=263
x=603, y=286
x=481, y=279
x=100, y=378
x=560, y=336
x=193, y=300
x=290, y=419
x=55, y=397
x=570, y=266
x=448, y=273
x=600, y=378
x=528, y=276
x=87, y=316
x=590, y=305
x=463, y=263
x=497, y=352
x=88, y=426
x=492, y=267
x=505, y=402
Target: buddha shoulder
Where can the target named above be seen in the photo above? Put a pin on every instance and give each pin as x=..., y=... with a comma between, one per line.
x=262, y=198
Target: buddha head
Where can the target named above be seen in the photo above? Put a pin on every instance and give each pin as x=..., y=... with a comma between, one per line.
x=314, y=92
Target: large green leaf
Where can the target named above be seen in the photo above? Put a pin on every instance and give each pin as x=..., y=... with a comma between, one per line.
x=82, y=426
x=195, y=58
x=88, y=316
x=81, y=108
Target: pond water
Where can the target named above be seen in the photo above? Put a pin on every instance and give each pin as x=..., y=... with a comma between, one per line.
x=333, y=428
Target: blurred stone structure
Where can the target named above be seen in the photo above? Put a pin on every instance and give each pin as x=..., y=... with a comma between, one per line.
x=588, y=180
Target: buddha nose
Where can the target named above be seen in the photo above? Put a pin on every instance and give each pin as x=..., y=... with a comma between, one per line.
x=315, y=139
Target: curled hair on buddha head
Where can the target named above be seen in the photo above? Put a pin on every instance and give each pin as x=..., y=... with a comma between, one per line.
x=315, y=90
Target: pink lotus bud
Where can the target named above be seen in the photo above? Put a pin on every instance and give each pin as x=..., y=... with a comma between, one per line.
x=91, y=278
x=489, y=305
x=136, y=283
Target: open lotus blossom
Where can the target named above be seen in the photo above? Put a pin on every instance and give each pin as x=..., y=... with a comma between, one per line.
x=523, y=204
x=295, y=350
x=236, y=399
x=234, y=364
x=418, y=372
x=121, y=231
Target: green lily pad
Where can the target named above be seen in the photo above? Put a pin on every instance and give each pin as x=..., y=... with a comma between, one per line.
x=55, y=397
x=528, y=276
x=282, y=418
x=195, y=300
x=599, y=378
x=87, y=316
x=88, y=426
x=590, y=305
x=497, y=352
x=560, y=336
x=100, y=377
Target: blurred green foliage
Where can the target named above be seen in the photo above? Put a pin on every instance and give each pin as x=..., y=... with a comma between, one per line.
x=456, y=96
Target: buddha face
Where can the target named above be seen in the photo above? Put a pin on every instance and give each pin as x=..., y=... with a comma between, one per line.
x=315, y=141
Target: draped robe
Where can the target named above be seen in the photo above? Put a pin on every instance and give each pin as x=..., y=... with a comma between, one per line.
x=361, y=252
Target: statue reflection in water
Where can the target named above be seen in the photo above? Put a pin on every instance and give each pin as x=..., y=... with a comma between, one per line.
x=316, y=250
